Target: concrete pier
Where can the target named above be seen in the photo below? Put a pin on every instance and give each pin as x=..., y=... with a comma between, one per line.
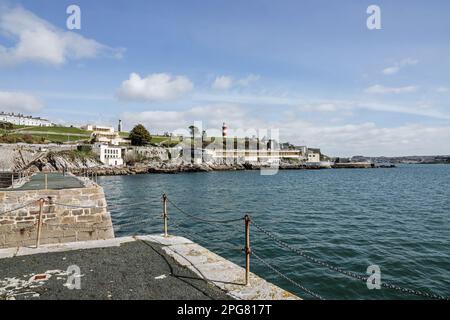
x=140, y=267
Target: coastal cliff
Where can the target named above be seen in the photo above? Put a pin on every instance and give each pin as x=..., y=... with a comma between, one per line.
x=138, y=161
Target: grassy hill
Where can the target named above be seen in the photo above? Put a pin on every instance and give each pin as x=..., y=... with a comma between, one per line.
x=60, y=130
x=60, y=134
x=38, y=135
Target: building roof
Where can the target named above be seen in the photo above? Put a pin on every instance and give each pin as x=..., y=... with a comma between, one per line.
x=19, y=115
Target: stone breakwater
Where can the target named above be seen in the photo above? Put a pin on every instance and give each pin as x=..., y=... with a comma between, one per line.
x=60, y=224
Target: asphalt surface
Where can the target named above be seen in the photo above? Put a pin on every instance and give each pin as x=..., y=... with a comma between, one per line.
x=136, y=270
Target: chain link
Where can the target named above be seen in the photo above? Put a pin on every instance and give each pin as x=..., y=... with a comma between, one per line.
x=76, y=206
x=138, y=220
x=298, y=285
x=276, y=240
x=19, y=208
x=203, y=220
x=198, y=237
x=342, y=271
x=117, y=206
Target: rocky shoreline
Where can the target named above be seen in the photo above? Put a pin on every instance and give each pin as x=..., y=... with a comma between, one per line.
x=155, y=160
x=184, y=168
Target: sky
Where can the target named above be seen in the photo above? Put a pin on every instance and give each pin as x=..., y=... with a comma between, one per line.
x=310, y=70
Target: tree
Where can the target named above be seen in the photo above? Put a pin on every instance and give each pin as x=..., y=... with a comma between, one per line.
x=194, y=131
x=6, y=125
x=140, y=136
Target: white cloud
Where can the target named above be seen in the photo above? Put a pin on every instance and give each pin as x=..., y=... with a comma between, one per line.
x=344, y=107
x=380, y=89
x=399, y=65
x=391, y=70
x=442, y=89
x=227, y=82
x=37, y=40
x=222, y=83
x=212, y=116
x=372, y=140
x=244, y=82
x=19, y=102
x=321, y=107
x=155, y=87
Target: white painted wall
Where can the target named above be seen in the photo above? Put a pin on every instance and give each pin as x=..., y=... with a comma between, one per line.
x=25, y=121
x=109, y=155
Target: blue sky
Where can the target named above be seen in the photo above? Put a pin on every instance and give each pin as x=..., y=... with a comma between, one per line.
x=310, y=69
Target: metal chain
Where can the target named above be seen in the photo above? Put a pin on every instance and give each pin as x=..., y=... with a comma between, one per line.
x=76, y=206
x=194, y=235
x=186, y=219
x=138, y=220
x=18, y=208
x=311, y=293
x=125, y=205
x=342, y=271
x=200, y=219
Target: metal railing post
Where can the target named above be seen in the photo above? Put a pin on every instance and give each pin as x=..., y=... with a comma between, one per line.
x=247, y=250
x=165, y=215
x=46, y=181
x=39, y=230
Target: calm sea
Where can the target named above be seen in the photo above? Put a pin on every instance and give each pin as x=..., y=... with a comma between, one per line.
x=398, y=219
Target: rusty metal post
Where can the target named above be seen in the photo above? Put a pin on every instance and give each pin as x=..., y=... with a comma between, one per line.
x=39, y=230
x=165, y=215
x=247, y=250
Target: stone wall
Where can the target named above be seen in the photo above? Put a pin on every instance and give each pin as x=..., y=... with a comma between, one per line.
x=60, y=223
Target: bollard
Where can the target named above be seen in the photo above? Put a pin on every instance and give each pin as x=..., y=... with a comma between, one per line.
x=38, y=235
x=165, y=215
x=247, y=250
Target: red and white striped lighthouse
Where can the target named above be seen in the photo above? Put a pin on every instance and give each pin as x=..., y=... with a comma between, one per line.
x=224, y=130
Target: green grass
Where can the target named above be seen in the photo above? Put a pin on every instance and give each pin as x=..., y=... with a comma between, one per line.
x=124, y=134
x=158, y=139
x=60, y=138
x=40, y=138
x=62, y=130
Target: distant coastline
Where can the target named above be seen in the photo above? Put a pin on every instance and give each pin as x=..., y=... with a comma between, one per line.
x=432, y=159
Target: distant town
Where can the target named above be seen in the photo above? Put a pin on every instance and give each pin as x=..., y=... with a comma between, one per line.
x=107, y=146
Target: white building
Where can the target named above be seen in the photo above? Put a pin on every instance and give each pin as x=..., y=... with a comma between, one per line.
x=109, y=155
x=21, y=120
x=313, y=155
x=314, y=159
x=105, y=135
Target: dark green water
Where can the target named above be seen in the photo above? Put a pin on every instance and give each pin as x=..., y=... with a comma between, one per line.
x=398, y=219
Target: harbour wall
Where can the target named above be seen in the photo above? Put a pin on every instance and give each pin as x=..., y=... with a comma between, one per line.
x=68, y=215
